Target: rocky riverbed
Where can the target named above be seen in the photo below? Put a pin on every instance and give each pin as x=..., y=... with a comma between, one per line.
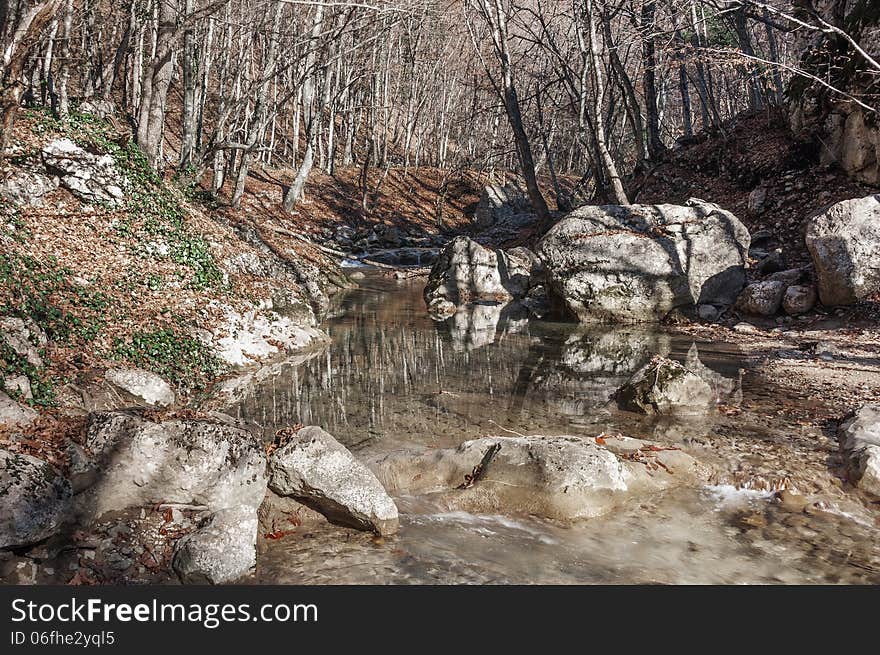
x=698, y=402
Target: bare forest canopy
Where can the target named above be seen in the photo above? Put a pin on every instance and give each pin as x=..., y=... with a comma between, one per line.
x=586, y=89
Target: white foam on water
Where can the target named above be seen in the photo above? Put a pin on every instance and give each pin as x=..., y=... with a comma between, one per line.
x=727, y=496
x=478, y=521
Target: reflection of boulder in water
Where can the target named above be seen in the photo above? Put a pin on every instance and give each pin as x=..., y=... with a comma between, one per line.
x=592, y=365
x=612, y=352
x=725, y=380
x=479, y=324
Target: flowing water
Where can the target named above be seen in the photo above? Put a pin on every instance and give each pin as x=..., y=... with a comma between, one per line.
x=394, y=379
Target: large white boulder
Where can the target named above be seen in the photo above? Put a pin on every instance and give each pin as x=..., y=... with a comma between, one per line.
x=320, y=472
x=844, y=242
x=135, y=462
x=628, y=264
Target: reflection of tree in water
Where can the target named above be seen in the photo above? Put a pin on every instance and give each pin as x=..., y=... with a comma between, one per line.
x=393, y=374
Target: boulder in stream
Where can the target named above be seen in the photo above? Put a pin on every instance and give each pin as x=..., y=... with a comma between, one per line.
x=321, y=473
x=663, y=386
x=465, y=272
x=629, y=264
x=859, y=438
x=559, y=477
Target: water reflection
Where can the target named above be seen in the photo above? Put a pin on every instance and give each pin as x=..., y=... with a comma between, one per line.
x=392, y=376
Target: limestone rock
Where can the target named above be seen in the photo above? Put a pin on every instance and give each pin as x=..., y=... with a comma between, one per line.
x=92, y=178
x=25, y=338
x=663, y=386
x=144, y=385
x=465, y=271
x=34, y=499
x=14, y=413
x=320, y=472
x=762, y=298
x=562, y=477
x=637, y=263
x=799, y=299
x=138, y=462
x=220, y=552
x=859, y=438
x=844, y=242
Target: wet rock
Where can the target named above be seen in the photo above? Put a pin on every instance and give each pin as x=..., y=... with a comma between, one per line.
x=34, y=499
x=762, y=298
x=220, y=552
x=799, y=299
x=92, y=178
x=144, y=385
x=859, y=438
x=138, y=462
x=465, y=271
x=14, y=413
x=637, y=263
x=320, y=472
x=562, y=477
x=844, y=242
x=24, y=338
x=537, y=301
x=664, y=386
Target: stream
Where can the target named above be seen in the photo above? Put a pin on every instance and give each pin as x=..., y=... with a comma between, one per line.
x=394, y=379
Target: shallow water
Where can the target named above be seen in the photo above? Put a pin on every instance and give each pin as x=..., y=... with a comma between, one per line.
x=393, y=379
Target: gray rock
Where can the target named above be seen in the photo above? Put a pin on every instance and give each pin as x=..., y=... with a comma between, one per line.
x=92, y=178
x=497, y=203
x=465, y=271
x=25, y=338
x=34, y=499
x=788, y=277
x=562, y=477
x=844, y=242
x=799, y=299
x=144, y=385
x=708, y=313
x=637, y=263
x=25, y=187
x=99, y=108
x=762, y=298
x=757, y=199
x=13, y=413
x=320, y=472
x=859, y=438
x=773, y=262
x=663, y=386
x=20, y=385
x=220, y=552
x=138, y=462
